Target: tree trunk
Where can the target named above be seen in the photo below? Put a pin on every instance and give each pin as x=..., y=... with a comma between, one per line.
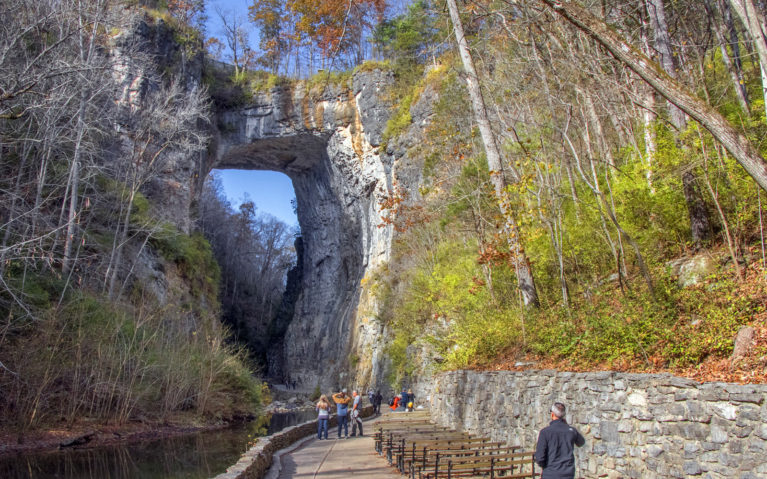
x=657, y=14
x=735, y=142
x=696, y=207
x=732, y=63
x=753, y=20
x=648, y=113
x=521, y=263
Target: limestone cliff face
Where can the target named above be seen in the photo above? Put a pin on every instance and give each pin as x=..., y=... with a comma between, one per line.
x=328, y=143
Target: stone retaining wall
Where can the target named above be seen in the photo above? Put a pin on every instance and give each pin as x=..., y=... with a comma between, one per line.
x=257, y=460
x=636, y=425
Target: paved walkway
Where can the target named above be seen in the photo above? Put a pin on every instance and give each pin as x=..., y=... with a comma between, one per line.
x=337, y=458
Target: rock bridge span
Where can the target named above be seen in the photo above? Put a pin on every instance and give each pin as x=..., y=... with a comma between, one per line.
x=328, y=144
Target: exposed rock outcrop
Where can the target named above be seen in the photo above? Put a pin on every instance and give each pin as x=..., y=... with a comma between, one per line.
x=328, y=144
x=327, y=139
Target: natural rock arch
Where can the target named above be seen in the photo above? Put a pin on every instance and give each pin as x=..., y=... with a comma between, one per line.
x=328, y=147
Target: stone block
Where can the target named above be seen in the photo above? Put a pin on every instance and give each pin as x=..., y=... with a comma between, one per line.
x=637, y=399
x=692, y=468
x=609, y=432
x=711, y=446
x=691, y=449
x=739, y=388
x=599, y=448
x=689, y=431
x=713, y=392
x=625, y=426
x=735, y=447
x=642, y=415
x=686, y=394
x=654, y=450
x=746, y=414
x=725, y=410
x=669, y=413
x=615, y=450
x=600, y=387
x=697, y=412
x=754, y=398
x=761, y=431
x=717, y=434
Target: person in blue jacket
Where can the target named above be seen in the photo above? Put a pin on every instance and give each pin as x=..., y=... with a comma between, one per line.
x=554, y=451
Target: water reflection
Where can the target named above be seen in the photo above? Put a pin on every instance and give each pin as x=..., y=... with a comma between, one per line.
x=196, y=456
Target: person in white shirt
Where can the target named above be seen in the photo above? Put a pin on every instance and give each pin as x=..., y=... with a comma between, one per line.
x=356, y=406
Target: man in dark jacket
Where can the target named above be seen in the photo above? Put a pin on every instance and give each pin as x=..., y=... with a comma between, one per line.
x=554, y=452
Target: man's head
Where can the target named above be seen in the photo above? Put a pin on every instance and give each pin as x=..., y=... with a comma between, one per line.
x=355, y=393
x=343, y=391
x=558, y=411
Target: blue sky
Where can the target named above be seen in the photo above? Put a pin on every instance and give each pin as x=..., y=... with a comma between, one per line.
x=239, y=7
x=269, y=190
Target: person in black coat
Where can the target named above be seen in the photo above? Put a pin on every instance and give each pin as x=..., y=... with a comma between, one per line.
x=554, y=451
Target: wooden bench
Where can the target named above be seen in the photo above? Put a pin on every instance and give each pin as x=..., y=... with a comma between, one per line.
x=506, y=465
x=424, y=458
x=410, y=447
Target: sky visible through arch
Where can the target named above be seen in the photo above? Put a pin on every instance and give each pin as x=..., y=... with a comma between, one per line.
x=269, y=190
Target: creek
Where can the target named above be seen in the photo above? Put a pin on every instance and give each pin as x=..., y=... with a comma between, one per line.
x=195, y=456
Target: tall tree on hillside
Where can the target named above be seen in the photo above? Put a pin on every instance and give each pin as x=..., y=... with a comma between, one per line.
x=754, y=22
x=726, y=35
x=237, y=38
x=700, y=225
x=735, y=142
x=656, y=12
x=190, y=12
x=267, y=16
x=336, y=26
x=522, y=266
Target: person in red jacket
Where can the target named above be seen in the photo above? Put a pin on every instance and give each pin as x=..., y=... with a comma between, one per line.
x=395, y=403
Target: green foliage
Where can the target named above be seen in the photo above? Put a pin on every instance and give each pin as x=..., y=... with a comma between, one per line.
x=402, y=365
x=354, y=360
x=400, y=120
x=316, y=393
x=318, y=82
x=194, y=258
x=448, y=297
x=408, y=38
x=373, y=65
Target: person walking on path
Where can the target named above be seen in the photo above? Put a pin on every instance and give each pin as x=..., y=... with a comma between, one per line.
x=410, y=401
x=554, y=451
x=356, y=405
x=377, y=402
x=323, y=415
x=342, y=401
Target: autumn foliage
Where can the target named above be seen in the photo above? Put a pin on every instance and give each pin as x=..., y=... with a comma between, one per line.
x=300, y=27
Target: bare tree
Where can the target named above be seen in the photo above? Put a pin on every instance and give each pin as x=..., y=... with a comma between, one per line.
x=522, y=267
x=237, y=38
x=734, y=141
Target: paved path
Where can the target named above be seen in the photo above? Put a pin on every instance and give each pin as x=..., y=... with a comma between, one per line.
x=337, y=458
